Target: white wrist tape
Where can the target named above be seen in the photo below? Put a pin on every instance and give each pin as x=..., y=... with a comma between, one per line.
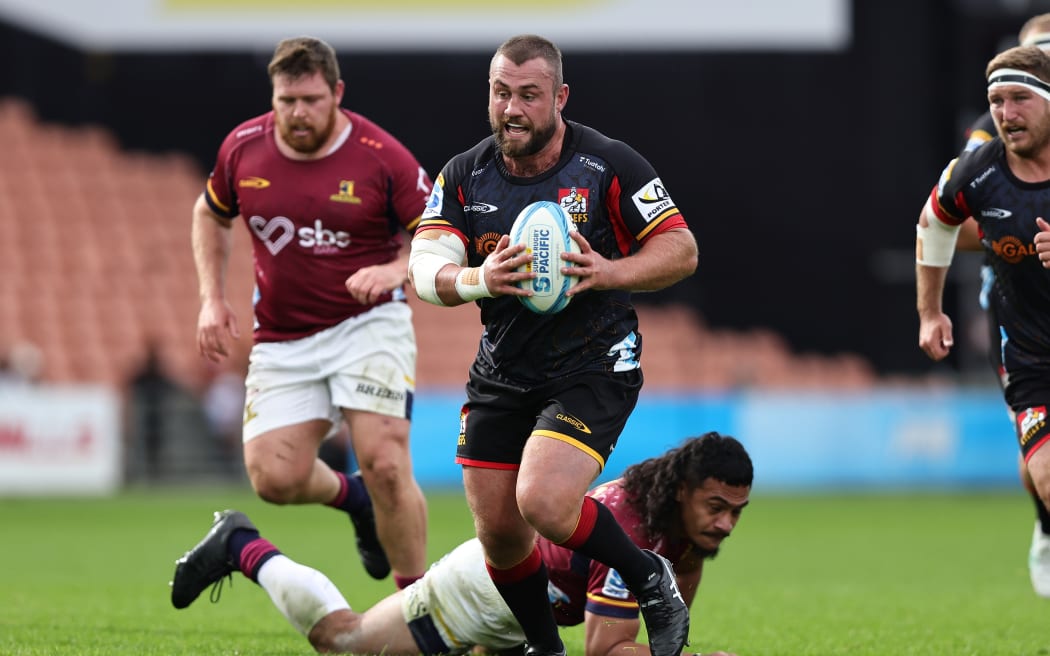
x=470, y=284
x=935, y=242
x=428, y=257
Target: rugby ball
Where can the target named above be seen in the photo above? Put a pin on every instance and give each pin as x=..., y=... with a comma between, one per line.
x=544, y=227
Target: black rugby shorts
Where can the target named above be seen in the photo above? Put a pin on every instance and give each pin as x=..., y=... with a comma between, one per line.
x=586, y=410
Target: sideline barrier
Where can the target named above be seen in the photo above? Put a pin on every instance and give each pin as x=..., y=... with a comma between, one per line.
x=60, y=440
x=881, y=440
x=57, y=440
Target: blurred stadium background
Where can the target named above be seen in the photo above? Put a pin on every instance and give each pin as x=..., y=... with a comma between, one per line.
x=799, y=137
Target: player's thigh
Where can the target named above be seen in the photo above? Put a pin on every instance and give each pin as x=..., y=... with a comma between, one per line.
x=287, y=454
x=587, y=412
x=370, y=361
x=378, y=440
x=284, y=388
x=498, y=523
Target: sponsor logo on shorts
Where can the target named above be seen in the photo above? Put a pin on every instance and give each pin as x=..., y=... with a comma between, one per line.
x=380, y=392
x=614, y=587
x=463, y=412
x=345, y=193
x=1031, y=422
x=574, y=422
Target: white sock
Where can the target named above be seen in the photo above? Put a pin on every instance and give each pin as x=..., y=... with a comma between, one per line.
x=302, y=594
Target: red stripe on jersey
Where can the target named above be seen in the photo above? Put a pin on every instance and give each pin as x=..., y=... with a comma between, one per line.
x=943, y=214
x=624, y=238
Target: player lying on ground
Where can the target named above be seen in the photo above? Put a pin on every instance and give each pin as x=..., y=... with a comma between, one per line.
x=681, y=505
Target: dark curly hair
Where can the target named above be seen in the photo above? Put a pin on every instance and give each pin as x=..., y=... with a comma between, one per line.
x=652, y=485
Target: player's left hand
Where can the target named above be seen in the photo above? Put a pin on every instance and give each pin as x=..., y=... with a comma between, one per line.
x=1042, y=242
x=367, y=285
x=593, y=270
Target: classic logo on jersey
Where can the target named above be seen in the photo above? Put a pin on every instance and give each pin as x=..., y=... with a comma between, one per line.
x=1030, y=422
x=275, y=234
x=652, y=200
x=996, y=213
x=346, y=193
x=575, y=202
x=1011, y=249
x=574, y=422
x=480, y=208
x=436, y=199
x=614, y=587
x=253, y=182
x=486, y=243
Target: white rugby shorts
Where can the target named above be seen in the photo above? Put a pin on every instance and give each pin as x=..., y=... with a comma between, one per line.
x=459, y=599
x=367, y=362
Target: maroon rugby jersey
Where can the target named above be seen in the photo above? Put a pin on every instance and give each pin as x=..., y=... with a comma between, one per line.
x=315, y=222
x=578, y=583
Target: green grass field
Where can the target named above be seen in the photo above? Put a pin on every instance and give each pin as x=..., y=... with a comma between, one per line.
x=802, y=575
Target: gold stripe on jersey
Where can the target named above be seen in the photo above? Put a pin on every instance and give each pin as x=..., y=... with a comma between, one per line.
x=214, y=199
x=611, y=602
x=667, y=214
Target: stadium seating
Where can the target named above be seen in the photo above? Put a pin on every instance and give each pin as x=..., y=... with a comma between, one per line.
x=96, y=267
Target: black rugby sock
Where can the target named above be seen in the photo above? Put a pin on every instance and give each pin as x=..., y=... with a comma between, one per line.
x=599, y=536
x=1042, y=513
x=524, y=588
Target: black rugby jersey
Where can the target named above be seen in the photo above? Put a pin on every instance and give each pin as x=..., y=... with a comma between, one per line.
x=980, y=184
x=615, y=200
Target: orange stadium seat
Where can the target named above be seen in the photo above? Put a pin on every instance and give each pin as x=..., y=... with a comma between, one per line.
x=95, y=267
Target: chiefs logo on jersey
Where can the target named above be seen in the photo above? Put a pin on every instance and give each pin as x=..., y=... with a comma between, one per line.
x=575, y=202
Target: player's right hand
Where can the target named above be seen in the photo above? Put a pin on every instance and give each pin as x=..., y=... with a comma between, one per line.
x=1042, y=242
x=500, y=269
x=216, y=324
x=935, y=336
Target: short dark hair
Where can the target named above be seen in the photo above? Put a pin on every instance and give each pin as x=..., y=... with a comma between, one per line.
x=304, y=55
x=520, y=49
x=1030, y=59
x=652, y=485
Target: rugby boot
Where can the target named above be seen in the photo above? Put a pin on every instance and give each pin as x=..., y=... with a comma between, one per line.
x=367, y=540
x=209, y=561
x=665, y=611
